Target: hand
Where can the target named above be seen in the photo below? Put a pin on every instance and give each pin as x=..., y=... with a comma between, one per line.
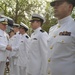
x=9, y=48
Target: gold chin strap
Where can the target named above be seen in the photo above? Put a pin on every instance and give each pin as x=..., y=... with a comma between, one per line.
x=35, y=19
x=4, y=23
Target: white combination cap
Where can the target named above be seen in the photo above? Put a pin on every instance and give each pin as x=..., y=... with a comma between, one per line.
x=4, y=21
x=38, y=17
x=16, y=25
x=24, y=25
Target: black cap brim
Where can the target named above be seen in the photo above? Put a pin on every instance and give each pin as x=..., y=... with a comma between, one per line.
x=52, y=3
x=70, y=1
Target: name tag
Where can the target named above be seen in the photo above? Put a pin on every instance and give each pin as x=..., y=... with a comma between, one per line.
x=34, y=38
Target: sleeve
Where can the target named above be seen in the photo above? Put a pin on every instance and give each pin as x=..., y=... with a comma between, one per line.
x=15, y=48
x=16, y=42
x=44, y=53
x=26, y=45
x=2, y=47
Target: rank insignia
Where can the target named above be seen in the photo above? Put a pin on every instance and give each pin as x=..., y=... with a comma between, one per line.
x=65, y=33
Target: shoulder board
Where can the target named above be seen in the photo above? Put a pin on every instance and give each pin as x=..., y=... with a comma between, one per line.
x=42, y=31
x=27, y=37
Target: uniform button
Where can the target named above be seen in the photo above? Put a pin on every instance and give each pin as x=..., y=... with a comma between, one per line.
x=62, y=41
x=54, y=36
x=49, y=60
x=58, y=26
x=51, y=47
x=49, y=72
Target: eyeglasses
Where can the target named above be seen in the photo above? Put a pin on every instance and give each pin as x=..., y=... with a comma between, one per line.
x=57, y=3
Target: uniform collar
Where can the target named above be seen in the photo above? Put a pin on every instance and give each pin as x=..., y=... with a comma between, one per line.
x=24, y=34
x=65, y=20
x=17, y=32
x=36, y=30
x=1, y=31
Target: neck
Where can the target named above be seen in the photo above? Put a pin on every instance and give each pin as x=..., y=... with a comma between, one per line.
x=36, y=28
x=59, y=18
x=2, y=29
x=16, y=31
x=23, y=33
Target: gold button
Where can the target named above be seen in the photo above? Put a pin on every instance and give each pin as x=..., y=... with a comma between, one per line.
x=49, y=60
x=58, y=26
x=62, y=41
x=51, y=47
x=48, y=72
x=54, y=36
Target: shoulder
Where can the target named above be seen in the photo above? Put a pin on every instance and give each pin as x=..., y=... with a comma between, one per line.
x=43, y=34
x=27, y=36
x=42, y=31
x=73, y=24
x=53, y=26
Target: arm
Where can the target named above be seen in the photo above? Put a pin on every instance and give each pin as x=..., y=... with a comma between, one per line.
x=2, y=47
x=15, y=46
x=44, y=53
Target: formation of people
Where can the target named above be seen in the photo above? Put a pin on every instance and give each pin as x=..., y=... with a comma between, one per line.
x=41, y=53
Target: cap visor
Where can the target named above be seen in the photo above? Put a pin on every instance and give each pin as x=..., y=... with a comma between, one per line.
x=52, y=3
x=30, y=20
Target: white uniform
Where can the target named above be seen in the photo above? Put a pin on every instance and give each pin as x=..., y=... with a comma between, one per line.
x=23, y=53
x=62, y=45
x=14, y=42
x=37, y=59
x=3, y=53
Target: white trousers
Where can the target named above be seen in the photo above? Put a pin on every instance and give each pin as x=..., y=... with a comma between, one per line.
x=2, y=67
x=14, y=69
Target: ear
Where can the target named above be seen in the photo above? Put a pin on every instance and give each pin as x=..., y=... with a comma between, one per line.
x=70, y=7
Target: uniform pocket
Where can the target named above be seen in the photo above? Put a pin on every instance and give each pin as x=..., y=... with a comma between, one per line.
x=65, y=39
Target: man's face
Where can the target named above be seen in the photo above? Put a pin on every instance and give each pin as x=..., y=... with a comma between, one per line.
x=21, y=30
x=12, y=33
x=35, y=24
x=15, y=29
x=3, y=26
x=62, y=9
